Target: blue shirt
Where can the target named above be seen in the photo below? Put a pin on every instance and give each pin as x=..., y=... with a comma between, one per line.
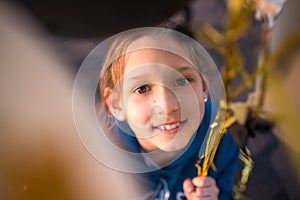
x=167, y=182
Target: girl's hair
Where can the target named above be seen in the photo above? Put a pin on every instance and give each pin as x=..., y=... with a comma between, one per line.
x=112, y=71
x=113, y=66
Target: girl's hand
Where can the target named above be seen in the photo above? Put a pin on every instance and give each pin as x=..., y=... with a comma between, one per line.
x=201, y=187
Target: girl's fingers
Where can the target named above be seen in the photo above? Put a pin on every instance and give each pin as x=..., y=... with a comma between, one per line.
x=206, y=192
x=201, y=188
x=188, y=186
x=204, y=181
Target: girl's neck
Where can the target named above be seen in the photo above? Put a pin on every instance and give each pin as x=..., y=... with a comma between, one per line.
x=160, y=158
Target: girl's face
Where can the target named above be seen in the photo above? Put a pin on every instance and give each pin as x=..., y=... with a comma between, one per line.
x=162, y=99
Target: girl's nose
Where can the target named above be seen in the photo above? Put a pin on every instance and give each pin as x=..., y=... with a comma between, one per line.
x=166, y=101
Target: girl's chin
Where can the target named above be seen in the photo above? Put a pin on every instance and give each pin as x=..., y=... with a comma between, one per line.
x=177, y=143
x=173, y=147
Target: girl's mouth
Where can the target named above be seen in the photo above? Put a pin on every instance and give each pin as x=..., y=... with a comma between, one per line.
x=169, y=128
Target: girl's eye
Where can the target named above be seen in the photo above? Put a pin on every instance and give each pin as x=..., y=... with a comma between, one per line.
x=142, y=89
x=182, y=82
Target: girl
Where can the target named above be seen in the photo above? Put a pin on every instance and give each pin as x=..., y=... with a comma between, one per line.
x=158, y=103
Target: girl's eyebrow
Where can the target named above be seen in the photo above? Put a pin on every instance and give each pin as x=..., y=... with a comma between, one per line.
x=138, y=77
x=141, y=77
x=187, y=68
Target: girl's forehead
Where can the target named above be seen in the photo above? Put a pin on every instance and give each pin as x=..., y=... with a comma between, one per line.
x=143, y=57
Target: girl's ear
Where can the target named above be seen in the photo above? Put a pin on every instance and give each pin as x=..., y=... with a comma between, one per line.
x=205, y=89
x=114, y=105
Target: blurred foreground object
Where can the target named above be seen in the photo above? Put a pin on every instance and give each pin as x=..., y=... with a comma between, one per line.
x=283, y=94
x=41, y=154
x=269, y=90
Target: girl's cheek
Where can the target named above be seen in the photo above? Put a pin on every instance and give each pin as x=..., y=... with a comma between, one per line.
x=137, y=112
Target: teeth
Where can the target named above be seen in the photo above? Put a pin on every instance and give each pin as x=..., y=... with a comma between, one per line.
x=169, y=126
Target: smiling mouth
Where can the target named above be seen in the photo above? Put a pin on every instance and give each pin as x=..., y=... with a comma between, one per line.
x=169, y=128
